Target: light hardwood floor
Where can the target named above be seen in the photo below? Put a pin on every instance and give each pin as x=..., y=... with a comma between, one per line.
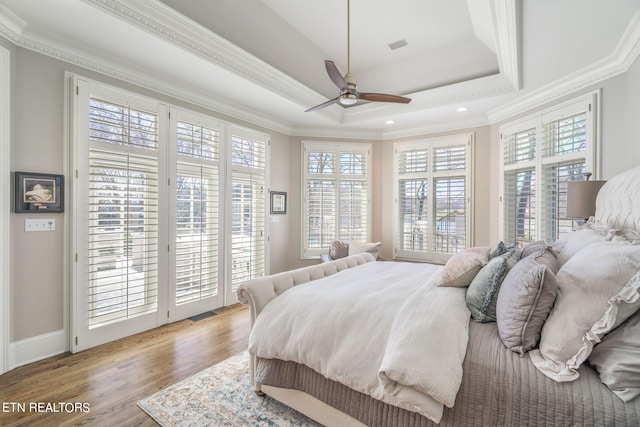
x=111, y=378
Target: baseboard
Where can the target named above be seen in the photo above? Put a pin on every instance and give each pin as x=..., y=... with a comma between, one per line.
x=37, y=348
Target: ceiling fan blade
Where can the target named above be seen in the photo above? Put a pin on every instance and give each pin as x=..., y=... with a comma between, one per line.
x=335, y=75
x=324, y=104
x=382, y=97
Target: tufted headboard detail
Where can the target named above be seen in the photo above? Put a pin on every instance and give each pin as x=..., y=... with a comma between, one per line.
x=618, y=201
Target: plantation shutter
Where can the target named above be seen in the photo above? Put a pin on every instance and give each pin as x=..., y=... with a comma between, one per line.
x=433, y=198
x=450, y=198
x=539, y=156
x=123, y=212
x=248, y=212
x=353, y=198
x=564, y=160
x=320, y=200
x=519, y=186
x=414, y=188
x=336, y=195
x=197, y=212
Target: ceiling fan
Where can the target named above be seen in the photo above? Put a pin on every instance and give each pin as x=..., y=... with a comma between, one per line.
x=349, y=94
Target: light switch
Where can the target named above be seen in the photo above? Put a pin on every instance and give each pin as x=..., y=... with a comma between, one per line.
x=48, y=224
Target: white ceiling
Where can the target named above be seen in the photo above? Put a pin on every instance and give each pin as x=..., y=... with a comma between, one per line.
x=262, y=61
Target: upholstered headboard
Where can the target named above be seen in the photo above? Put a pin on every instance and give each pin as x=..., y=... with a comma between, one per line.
x=618, y=201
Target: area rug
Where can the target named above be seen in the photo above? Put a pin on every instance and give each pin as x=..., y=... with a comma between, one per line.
x=219, y=396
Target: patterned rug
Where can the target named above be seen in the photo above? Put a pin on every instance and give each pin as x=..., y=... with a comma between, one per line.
x=219, y=396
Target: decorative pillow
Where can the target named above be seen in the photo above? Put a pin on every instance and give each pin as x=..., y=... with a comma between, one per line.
x=617, y=359
x=525, y=300
x=482, y=294
x=500, y=249
x=338, y=249
x=358, y=247
x=598, y=289
x=533, y=248
x=462, y=267
x=571, y=243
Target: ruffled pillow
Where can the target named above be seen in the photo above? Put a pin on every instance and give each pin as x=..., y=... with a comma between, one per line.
x=573, y=242
x=598, y=289
x=617, y=359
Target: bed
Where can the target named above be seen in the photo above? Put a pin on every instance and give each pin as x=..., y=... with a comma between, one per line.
x=376, y=343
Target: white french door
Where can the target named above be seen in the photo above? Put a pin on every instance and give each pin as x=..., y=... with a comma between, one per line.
x=196, y=215
x=168, y=213
x=117, y=222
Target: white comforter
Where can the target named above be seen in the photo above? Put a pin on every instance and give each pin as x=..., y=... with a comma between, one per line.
x=381, y=328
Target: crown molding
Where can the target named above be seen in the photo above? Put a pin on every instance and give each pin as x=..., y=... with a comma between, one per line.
x=617, y=63
x=507, y=23
x=161, y=21
x=84, y=59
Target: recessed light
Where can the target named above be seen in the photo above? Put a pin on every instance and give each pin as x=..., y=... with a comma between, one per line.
x=461, y=109
x=389, y=122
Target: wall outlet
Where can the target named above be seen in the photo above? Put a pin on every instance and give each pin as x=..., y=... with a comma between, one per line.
x=48, y=224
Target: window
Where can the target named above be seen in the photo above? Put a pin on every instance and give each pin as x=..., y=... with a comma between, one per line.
x=336, y=195
x=540, y=154
x=432, y=184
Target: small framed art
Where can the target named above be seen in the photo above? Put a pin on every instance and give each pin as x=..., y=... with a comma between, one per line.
x=38, y=192
x=278, y=202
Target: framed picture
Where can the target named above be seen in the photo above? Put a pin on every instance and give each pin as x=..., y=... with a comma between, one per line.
x=39, y=192
x=278, y=202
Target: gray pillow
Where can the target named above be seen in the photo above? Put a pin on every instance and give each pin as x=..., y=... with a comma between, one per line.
x=338, y=249
x=617, y=359
x=482, y=294
x=525, y=300
x=533, y=248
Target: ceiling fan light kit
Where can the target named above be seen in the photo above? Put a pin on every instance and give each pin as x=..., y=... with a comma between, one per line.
x=349, y=94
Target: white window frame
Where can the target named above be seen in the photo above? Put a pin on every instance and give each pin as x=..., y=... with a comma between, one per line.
x=429, y=144
x=335, y=148
x=588, y=104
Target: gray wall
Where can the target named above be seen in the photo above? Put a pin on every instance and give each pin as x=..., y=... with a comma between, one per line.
x=38, y=288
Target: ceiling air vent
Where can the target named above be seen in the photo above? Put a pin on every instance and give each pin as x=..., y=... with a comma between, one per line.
x=398, y=44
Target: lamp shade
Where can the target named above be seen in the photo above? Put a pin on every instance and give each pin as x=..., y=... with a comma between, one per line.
x=581, y=198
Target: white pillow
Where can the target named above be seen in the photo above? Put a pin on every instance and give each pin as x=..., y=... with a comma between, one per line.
x=598, y=289
x=358, y=247
x=462, y=267
x=571, y=243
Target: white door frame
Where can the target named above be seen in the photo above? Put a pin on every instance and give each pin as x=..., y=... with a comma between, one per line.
x=5, y=206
